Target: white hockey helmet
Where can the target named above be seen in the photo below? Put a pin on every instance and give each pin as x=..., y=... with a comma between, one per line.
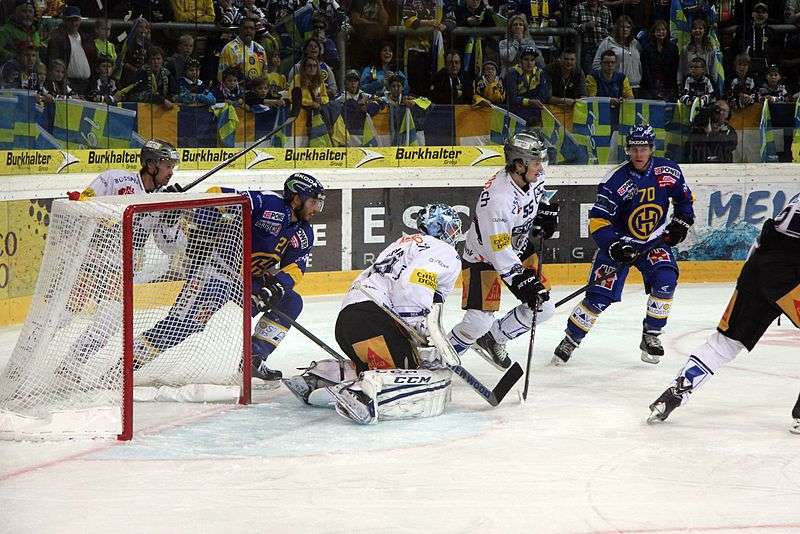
x=526, y=146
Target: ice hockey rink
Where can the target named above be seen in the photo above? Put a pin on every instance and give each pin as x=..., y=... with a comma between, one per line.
x=578, y=457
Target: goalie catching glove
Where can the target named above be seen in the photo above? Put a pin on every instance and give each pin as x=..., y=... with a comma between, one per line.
x=527, y=287
x=676, y=231
x=271, y=293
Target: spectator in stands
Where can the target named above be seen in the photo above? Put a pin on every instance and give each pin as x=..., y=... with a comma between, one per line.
x=21, y=72
x=193, y=11
x=394, y=95
x=370, y=22
x=229, y=90
x=175, y=63
x=660, y=58
x=229, y=13
x=489, y=86
x=309, y=80
x=66, y=44
x=697, y=84
x=153, y=10
x=251, y=11
x=313, y=49
x=608, y=81
x=566, y=80
x=353, y=92
x=451, y=85
x=742, y=90
x=592, y=20
x=192, y=91
x=772, y=90
x=516, y=39
x=276, y=82
x=56, y=86
x=627, y=49
x=133, y=55
x=102, y=87
x=100, y=45
x=419, y=48
x=257, y=98
x=329, y=54
x=373, y=78
x=473, y=14
x=540, y=14
x=243, y=52
x=757, y=40
x=21, y=27
x=699, y=46
x=154, y=85
x=527, y=87
x=712, y=139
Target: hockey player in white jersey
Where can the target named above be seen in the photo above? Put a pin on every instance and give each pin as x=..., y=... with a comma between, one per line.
x=768, y=286
x=396, y=378
x=498, y=247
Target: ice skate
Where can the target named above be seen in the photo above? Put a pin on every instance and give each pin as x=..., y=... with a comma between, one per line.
x=664, y=405
x=299, y=386
x=563, y=351
x=652, y=351
x=493, y=352
x=795, y=428
x=263, y=376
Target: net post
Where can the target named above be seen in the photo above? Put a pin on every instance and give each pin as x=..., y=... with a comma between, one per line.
x=247, y=289
x=127, y=325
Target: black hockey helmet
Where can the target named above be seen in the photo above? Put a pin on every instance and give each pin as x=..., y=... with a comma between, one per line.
x=306, y=186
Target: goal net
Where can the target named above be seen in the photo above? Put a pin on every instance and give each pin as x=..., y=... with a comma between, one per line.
x=143, y=297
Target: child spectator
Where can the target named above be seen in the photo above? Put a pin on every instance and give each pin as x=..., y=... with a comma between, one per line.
x=699, y=46
x=276, y=81
x=192, y=91
x=259, y=95
x=102, y=46
x=742, y=90
x=56, y=85
x=697, y=84
x=175, y=62
x=102, y=87
x=758, y=39
x=352, y=91
x=489, y=86
x=21, y=73
x=229, y=90
x=773, y=90
x=394, y=95
x=154, y=83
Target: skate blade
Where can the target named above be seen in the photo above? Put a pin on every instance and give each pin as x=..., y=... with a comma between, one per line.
x=650, y=358
x=795, y=428
x=557, y=362
x=488, y=357
x=656, y=416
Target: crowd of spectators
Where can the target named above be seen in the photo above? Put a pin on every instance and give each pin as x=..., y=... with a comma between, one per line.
x=251, y=57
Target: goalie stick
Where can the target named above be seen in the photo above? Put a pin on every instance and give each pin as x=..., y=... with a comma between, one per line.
x=493, y=396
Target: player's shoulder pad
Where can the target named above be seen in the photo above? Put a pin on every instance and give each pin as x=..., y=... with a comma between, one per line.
x=615, y=174
x=303, y=237
x=666, y=167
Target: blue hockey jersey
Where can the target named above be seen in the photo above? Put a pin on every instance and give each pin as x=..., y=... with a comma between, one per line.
x=635, y=205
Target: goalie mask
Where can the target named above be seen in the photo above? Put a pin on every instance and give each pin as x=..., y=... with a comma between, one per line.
x=526, y=147
x=440, y=221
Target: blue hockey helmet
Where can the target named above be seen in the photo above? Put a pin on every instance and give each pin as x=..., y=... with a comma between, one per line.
x=305, y=186
x=440, y=221
x=641, y=135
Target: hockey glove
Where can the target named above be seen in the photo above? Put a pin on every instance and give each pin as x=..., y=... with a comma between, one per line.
x=622, y=252
x=173, y=188
x=271, y=294
x=675, y=232
x=527, y=287
x=546, y=219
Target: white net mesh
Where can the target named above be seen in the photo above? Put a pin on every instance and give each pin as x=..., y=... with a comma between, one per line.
x=187, y=307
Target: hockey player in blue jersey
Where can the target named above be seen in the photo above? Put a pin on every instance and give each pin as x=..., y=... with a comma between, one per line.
x=630, y=211
x=281, y=241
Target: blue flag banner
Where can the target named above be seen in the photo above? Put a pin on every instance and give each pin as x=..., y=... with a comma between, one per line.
x=592, y=121
x=504, y=124
x=567, y=149
x=82, y=124
x=23, y=121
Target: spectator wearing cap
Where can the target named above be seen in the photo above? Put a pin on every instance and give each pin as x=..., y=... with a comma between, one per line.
x=527, y=87
x=192, y=91
x=66, y=44
x=21, y=72
x=102, y=86
x=175, y=62
x=193, y=10
x=374, y=77
x=21, y=27
x=451, y=85
x=516, y=39
x=489, y=86
x=352, y=92
x=607, y=81
x=567, y=81
x=627, y=50
x=592, y=20
x=244, y=53
x=758, y=40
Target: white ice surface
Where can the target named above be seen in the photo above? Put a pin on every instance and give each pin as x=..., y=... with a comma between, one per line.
x=577, y=457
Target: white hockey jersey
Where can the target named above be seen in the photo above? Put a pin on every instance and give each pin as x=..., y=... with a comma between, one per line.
x=503, y=217
x=407, y=274
x=788, y=220
x=114, y=182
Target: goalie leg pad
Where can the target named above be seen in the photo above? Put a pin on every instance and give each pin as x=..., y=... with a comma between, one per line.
x=395, y=394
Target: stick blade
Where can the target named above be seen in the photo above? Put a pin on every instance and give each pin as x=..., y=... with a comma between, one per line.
x=509, y=379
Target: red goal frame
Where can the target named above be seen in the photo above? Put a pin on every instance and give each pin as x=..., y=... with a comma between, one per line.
x=127, y=295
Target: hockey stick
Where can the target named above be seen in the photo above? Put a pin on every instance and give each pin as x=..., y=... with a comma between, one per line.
x=533, y=321
x=653, y=244
x=492, y=396
x=321, y=344
x=297, y=98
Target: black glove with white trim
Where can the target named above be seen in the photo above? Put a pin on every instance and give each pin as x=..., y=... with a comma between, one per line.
x=527, y=287
x=271, y=294
x=676, y=231
x=622, y=252
x=547, y=219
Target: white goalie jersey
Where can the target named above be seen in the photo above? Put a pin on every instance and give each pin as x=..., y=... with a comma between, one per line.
x=408, y=274
x=503, y=217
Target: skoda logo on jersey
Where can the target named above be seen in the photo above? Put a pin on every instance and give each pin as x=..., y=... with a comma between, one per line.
x=644, y=219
